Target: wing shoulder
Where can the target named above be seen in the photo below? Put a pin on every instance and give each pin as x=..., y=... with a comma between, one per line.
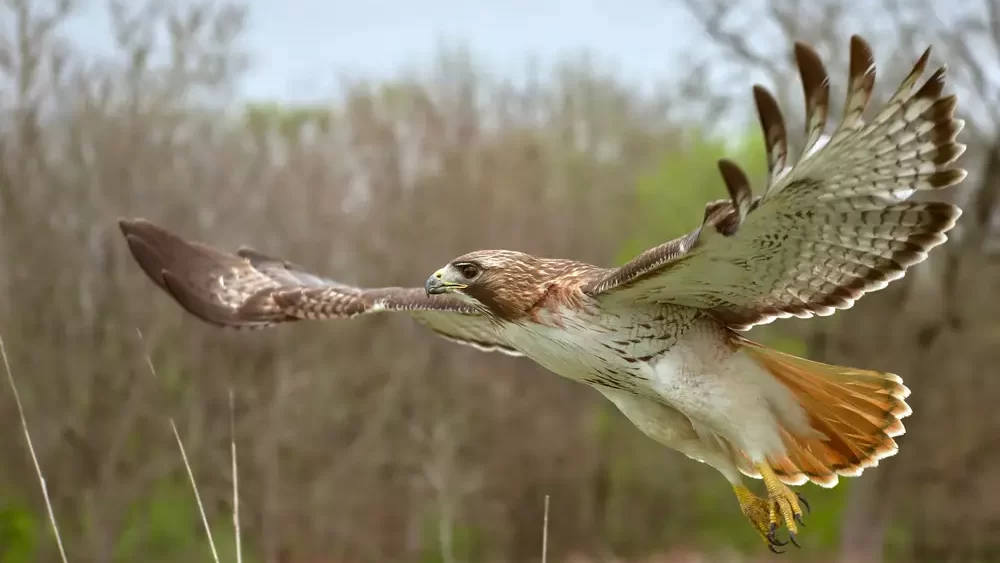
x=722, y=216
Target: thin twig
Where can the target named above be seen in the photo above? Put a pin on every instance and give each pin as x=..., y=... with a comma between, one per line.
x=187, y=465
x=545, y=531
x=31, y=450
x=197, y=496
x=236, y=486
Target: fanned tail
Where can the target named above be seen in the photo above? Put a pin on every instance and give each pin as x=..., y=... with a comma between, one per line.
x=857, y=412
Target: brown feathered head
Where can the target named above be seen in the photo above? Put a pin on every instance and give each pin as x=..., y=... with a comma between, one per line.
x=506, y=283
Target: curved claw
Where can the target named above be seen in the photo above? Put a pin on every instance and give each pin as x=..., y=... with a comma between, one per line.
x=768, y=515
x=772, y=537
x=791, y=537
x=804, y=503
x=798, y=520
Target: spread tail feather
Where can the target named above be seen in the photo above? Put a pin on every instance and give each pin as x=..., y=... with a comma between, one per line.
x=856, y=412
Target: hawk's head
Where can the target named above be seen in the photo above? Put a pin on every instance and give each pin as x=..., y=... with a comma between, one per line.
x=505, y=282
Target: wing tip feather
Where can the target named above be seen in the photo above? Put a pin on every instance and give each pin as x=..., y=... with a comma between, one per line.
x=916, y=127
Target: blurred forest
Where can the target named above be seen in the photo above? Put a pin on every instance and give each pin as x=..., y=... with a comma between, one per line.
x=373, y=440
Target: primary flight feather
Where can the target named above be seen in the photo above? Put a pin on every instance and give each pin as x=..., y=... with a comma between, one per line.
x=658, y=336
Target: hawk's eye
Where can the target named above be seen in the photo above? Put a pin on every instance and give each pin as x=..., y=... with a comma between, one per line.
x=469, y=271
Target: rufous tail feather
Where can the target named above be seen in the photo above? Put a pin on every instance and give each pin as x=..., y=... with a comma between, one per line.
x=858, y=412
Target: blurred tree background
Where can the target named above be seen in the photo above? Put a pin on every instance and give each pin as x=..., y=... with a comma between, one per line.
x=373, y=440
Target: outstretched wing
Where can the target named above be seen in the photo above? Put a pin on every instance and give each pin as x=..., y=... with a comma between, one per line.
x=251, y=290
x=827, y=230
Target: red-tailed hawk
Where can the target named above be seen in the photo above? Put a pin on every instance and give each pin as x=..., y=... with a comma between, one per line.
x=658, y=336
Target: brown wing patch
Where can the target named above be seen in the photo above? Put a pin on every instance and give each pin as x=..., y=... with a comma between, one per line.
x=214, y=286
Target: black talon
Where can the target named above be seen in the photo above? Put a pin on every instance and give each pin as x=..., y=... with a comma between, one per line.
x=772, y=536
x=791, y=537
x=772, y=539
x=804, y=502
x=774, y=549
x=798, y=520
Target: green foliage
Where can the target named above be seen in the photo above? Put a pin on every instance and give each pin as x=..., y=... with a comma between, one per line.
x=166, y=525
x=160, y=524
x=785, y=343
x=720, y=521
x=286, y=120
x=19, y=528
x=467, y=542
x=169, y=371
x=225, y=542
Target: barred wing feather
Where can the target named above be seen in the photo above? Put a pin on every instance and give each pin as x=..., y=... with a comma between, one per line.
x=827, y=230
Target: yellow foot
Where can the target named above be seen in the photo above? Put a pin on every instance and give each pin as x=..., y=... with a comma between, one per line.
x=784, y=507
x=758, y=511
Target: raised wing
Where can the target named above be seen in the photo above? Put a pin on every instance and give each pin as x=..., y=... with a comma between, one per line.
x=829, y=229
x=251, y=290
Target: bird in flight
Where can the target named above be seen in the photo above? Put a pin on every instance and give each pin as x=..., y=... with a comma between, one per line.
x=660, y=335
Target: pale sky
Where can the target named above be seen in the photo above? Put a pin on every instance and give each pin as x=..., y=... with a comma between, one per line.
x=299, y=46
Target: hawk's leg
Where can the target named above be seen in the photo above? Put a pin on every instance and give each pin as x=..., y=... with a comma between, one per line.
x=758, y=511
x=785, y=505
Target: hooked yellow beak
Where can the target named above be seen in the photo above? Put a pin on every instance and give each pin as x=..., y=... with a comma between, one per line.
x=438, y=283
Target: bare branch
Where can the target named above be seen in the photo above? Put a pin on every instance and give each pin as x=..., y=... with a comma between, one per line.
x=712, y=14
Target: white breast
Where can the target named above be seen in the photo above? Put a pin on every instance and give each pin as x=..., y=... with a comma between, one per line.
x=604, y=349
x=571, y=350
x=723, y=391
